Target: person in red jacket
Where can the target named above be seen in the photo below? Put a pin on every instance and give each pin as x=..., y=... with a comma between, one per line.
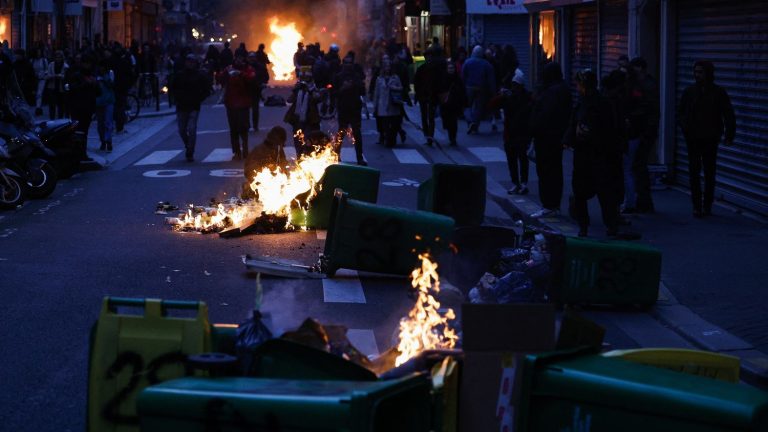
x=237, y=79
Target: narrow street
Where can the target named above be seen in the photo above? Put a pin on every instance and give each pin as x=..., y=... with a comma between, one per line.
x=98, y=235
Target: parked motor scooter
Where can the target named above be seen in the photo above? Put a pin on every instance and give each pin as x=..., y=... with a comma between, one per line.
x=68, y=145
x=12, y=190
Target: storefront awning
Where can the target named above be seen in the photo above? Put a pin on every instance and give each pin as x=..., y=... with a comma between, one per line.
x=539, y=5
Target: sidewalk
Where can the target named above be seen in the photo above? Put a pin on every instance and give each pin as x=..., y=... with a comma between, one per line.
x=712, y=292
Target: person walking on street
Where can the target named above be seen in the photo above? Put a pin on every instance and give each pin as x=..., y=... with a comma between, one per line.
x=428, y=82
x=190, y=88
x=705, y=113
x=597, y=154
x=386, y=102
x=303, y=114
x=105, y=105
x=261, y=56
x=516, y=102
x=550, y=115
x=260, y=81
x=54, y=86
x=237, y=79
x=348, y=91
x=25, y=76
x=226, y=58
x=480, y=79
x=452, y=102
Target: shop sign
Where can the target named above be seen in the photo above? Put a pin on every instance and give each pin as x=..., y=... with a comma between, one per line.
x=496, y=7
x=113, y=5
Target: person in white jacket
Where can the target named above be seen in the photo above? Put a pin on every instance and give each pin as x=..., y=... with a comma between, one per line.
x=40, y=65
x=54, y=85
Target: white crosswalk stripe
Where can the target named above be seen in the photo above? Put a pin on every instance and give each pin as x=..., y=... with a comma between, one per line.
x=219, y=155
x=489, y=154
x=348, y=155
x=158, y=157
x=364, y=340
x=409, y=156
x=290, y=152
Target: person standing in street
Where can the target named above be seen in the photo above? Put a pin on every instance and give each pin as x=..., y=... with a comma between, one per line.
x=237, y=79
x=428, y=82
x=480, y=79
x=303, y=114
x=105, y=104
x=597, y=154
x=386, y=102
x=550, y=115
x=25, y=76
x=226, y=58
x=83, y=91
x=261, y=55
x=54, y=86
x=190, y=88
x=705, y=113
x=452, y=102
x=40, y=65
x=258, y=85
x=348, y=91
x=516, y=102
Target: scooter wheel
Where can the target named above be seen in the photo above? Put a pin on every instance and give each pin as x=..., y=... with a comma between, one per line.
x=11, y=192
x=45, y=182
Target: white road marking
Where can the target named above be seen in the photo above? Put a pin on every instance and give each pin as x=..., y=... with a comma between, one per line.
x=231, y=172
x=167, y=173
x=219, y=155
x=208, y=132
x=158, y=157
x=321, y=234
x=345, y=287
x=409, y=156
x=348, y=155
x=364, y=340
x=489, y=154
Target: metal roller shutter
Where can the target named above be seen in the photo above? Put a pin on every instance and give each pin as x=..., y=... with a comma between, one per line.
x=583, y=41
x=614, y=21
x=734, y=36
x=510, y=29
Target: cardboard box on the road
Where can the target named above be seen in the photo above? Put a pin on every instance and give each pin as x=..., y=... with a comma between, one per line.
x=494, y=336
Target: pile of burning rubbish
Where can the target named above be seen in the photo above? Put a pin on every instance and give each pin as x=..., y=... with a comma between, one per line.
x=275, y=191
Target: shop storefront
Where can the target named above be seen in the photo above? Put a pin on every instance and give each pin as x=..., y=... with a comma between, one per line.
x=503, y=23
x=733, y=36
x=614, y=35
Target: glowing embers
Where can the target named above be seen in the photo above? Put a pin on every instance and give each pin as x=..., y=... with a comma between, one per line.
x=282, y=48
x=425, y=327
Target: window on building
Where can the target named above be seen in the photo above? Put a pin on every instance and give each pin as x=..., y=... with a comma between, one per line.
x=5, y=28
x=547, y=33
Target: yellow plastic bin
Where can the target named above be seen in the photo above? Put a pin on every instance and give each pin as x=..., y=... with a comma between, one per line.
x=131, y=352
x=701, y=363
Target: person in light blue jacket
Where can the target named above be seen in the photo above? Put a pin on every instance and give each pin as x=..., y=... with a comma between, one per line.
x=105, y=105
x=480, y=81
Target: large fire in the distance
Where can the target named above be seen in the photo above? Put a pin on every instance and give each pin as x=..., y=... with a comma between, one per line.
x=283, y=46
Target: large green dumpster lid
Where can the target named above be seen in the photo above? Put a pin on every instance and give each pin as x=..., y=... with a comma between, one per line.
x=620, y=385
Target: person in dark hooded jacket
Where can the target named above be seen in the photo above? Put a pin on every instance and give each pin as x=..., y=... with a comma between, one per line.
x=550, y=115
x=597, y=154
x=705, y=112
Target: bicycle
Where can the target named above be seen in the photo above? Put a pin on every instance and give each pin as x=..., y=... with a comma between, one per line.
x=149, y=89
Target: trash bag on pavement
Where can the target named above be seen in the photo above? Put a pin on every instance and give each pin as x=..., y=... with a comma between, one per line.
x=250, y=335
x=514, y=287
x=482, y=291
x=310, y=333
x=274, y=101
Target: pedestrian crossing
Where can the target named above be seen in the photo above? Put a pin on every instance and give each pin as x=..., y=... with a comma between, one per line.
x=405, y=156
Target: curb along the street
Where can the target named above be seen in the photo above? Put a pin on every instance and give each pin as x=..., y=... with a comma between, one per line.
x=668, y=311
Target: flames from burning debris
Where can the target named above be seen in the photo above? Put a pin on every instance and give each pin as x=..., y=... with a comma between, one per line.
x=276, y=190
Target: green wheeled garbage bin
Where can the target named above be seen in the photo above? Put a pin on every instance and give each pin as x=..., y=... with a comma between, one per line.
x=585, y=392
x=590, y=271
x=261, y=404
x=369, y=237
x=457, y=191
x=361, y=183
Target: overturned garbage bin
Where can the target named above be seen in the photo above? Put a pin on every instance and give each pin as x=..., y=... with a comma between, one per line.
x=369, y=237
x=573, y=391
x=590, y=271
x=202, y=404
x=457, y=191
x=361, y=183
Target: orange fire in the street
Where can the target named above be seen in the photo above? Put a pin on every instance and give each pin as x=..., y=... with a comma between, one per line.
x=424, y=328
x=282, y=48
x=276, y=191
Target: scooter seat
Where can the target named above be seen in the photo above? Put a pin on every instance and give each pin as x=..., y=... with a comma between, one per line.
x=51, y=127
